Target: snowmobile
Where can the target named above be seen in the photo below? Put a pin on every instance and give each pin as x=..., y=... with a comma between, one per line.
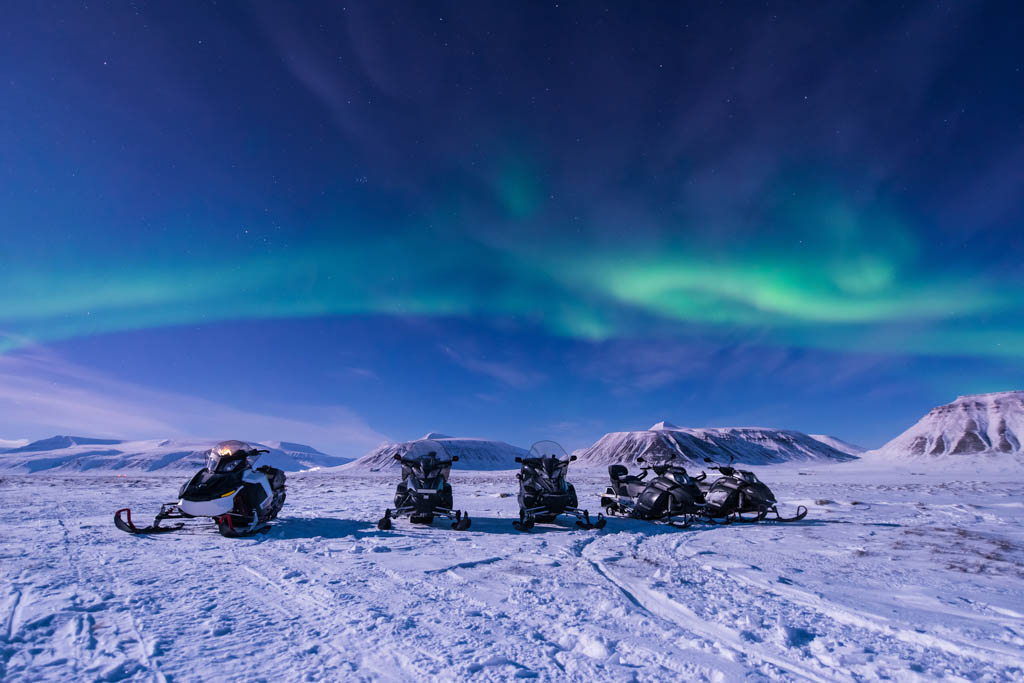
x=543, y=491
x=737, y=492
x=424, y=492
x=241, y=500
x=672, y=496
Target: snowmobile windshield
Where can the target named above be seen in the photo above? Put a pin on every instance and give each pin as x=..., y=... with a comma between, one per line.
x=426, y=450
x=228, y=456
x=548, y=449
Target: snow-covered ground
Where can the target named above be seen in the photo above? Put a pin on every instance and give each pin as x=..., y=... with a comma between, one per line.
x=899, y=575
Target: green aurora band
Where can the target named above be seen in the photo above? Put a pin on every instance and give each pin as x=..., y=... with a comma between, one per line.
x=828, y=278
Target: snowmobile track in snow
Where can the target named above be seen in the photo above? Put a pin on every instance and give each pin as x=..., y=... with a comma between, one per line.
x=920, y=579
x=663, y=607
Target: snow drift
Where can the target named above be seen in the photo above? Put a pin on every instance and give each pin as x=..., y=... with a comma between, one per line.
x=474, y=454
x=750, y=445
x=976, y=425
x=79, y=454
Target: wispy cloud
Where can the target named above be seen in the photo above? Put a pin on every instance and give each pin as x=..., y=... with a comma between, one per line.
x=512, y=374
x=41, y=394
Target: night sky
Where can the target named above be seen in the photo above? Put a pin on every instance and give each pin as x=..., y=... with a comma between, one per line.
x=340, y=222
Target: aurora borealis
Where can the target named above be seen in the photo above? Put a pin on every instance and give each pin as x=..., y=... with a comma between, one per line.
x=556, y=219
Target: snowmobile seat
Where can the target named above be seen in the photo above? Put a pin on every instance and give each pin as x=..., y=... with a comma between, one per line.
x=617, y=471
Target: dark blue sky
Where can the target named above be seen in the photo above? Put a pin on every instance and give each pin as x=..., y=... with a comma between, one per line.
x=339, y=222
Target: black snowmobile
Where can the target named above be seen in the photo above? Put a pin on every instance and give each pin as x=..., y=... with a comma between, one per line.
x=543, y=491
x=241, y=500
x=736, y=492
x=672, y=496
x=424, y=492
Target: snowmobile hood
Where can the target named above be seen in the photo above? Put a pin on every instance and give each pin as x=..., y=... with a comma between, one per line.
x=550, y=467
x=206, y=485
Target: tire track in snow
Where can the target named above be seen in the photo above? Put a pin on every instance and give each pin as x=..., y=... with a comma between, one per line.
x=116, y=581
x=15, y=602
x=683, y=662
x=327, y=614
x=662, y=606
x=842, y=615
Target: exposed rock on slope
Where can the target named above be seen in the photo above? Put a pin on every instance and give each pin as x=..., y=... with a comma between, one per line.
x=750, y=445
x=980, y=424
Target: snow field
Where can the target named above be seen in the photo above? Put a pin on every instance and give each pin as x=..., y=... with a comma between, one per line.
x=907, y=577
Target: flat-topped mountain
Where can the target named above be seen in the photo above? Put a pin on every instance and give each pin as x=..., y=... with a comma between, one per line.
x=750, y=445
x=474, y=454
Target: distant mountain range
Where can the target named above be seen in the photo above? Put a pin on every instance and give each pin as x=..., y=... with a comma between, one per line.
x=81, y=454
x=474, y=454
x=748, y=445
x=985, y=425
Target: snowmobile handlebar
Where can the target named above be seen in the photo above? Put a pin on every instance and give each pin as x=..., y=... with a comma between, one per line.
x=415, y=461
x=727, y=470
x=563, y=462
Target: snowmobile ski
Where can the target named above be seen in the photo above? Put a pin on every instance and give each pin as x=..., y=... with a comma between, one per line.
x=672, y=497
x=424, y=492
x=241, y=500
x=544, y=493
x=740, y=492
x=128, y=526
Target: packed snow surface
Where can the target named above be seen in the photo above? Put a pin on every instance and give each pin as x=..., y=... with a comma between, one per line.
x=751, y=445
x=80, y=454
x=473, y=454
x=971, y=426
x=895, y=574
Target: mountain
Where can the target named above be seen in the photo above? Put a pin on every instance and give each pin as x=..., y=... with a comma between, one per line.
x=838, y=444
x=474, y=454
x=79, y=454
x=750, y=445
x=58, y=442
x=976, y=425
x=305, y=454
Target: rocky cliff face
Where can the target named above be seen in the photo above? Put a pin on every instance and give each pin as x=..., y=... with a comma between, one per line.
x=981, y=424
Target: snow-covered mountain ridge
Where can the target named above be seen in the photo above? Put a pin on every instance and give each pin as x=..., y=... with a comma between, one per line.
x=79, y=454
x=473, y=454
x=749, y=445
x=974, y=425
x=838, y=444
